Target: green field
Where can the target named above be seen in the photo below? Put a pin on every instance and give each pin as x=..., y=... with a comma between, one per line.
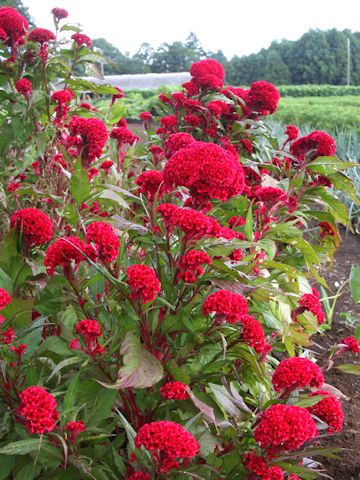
x=325, y=113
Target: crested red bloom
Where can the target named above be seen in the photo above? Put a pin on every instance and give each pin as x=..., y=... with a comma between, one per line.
x=292, y=476
x=139, y=476
x=253, y=334
x=351, y=343
x=295, y=373
x=259, y=469
x=146, y=116
x=7, y=336
x=81, y=39
x=269, y=195
x=175, y=391
x=311, y=302
x=218, y=108
x=92, y=135
x=176, y=141
x=5, y=298
x=75, y=428
x=24, y=86
x=236, y=221
x=59, y=13
x=106, y=165
x=3, y=35
x=66, y=250
x=106, y=242
x=34, y=225
x=13, y=24
x=316, y=144
x=143, y=283
x=207, y=170
x=62, y=96
x=150, y=183
x=329, y=410
x=19, y=351
x=38, y=410
x=169, y=121
x=284, y=428
x=248, y=146
x=120, y=94
x=207, y=74
x=89, y=328
x=228, y=306
x=169, y=438
x=123, y=136
x=292, y=132
x=190, y=265
x=262, y=98
x=326, y=229
x=41, y=35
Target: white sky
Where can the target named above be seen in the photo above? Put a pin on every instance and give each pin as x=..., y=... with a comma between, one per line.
x=234, y=26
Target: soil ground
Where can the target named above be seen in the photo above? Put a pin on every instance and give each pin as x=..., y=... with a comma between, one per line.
x=348, y=466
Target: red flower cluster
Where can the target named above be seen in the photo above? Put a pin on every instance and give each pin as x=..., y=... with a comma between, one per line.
x=284, y=428
x=62, y=98
x=123, y=136
x=329, y=410
x=262, y=98
x=24, y=86
x=66, y=250
x=7, y=336
x=5, y=298
x=139, y=476
x=75, y=428
x=352, y=344
x=194, y=224
x=103, y=236
x=146, y=117
x=150, y=183
x=311, y=302
x=175, y=391
x=13, y=24
x=207, y=74
x=106, y=165
x=90, y=331
x=93, y=135
x=207, y=170
x=38, y=409
x=34, y=225
x=41, y=35
x=228, y=306
x=326, y=229
x=190, y=265
x=177, y=141
x=259, y=469
x=292, y=132
x=81, y=39
x=269, y=195
x=296, y=372
x=143, y=283
x=316, y=144
x=253, y=334
x=169, y=438
x=59, y=13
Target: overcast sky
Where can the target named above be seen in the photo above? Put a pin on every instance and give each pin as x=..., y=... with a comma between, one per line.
x=234, y=26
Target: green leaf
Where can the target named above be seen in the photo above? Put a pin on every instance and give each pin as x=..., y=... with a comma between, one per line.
x=249, y=225
x=70, y=395
x=115, y=197
x=344, y=184
x=349, y=368
x=102, y=408
x=354, y=280
x=329, y=165
x=306, y=401
x=224, y=400
x=55, y=345
x=22, y=447
x=80, y=186
x=117, y=111
x=141, y=369
x=65, y=363
x=7, y=464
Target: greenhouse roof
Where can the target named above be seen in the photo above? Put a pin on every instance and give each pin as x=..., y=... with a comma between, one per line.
x=142, y=80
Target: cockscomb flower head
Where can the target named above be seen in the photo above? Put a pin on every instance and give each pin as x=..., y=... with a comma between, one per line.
x=107, y=244
x=38, y=410
x=34, y=225
x=329, y=410
x=228, y=306
x=295, y=373
x=143, y=282
x=175, y=391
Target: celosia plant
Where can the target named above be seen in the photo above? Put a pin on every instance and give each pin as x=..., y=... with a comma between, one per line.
x=158, y=296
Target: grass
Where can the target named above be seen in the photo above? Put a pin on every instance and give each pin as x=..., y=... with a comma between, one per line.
x=335, y=114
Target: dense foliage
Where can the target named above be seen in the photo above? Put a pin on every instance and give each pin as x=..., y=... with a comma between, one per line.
x=159, y=297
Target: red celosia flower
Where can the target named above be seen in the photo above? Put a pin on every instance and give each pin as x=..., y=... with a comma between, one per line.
x=296, y=372
x=93, y=135
x=123, y=136
x=169, y=438
x=169, y=121
x=145, y=116
x=236, y=221
x=329, y=410
x=41, y=35
x=352, y=344
x=103, y=236
x=157, y=153
x=75, y=428
x=106, y=166
x=5, y=298
x=24, y=86
x=3, y=35
x=59, y=13
x=19, y=351
x=262, y=98
x=89, y=329
x=34, y=225
x=13, y=24
x=259, y=469
x=143, y=283
x=38, y=409
x=269, y=195
x=253, y=334
x=311, y=302
x=218, y=108
x=175, y=391
x=139, y=476
x=176, y=141
x=228, y=306
x=207, y=67
x=193, y=120
x=284, y=428
x=191, y=88
x=326, y=229
x=66, y=250
x=7, y=336
x=207, y=170
x=248, y=146
x=150, y=183
x=292, y=132
x=62, y=96
x=81, y=39
x=115, y=96
x=292, y=476
x=318, y=143
x=190, y=265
